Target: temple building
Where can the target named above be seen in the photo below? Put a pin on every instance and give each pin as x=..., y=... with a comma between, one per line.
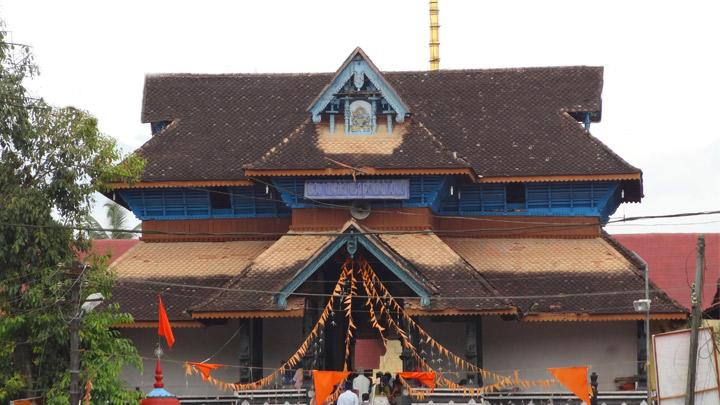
x=477, y=197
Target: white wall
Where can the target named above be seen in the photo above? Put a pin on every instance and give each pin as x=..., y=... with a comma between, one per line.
x=190, y=345
x=610, y=348
x=281, y=338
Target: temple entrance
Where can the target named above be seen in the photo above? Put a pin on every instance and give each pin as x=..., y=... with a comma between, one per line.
x=349, y=307
x=366, y=343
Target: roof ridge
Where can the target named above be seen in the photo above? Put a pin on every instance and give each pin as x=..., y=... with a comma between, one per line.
x=480, y=276
x=441, y=147
x=276, y=149
x=192, y=75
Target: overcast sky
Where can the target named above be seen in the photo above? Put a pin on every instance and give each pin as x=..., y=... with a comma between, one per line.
x=660, y=97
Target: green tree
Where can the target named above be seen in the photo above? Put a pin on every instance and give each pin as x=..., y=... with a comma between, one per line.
x=52, y=160
x=117, y=218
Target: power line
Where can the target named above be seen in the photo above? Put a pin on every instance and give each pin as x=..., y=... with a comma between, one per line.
x=308, y=294
x=376, y=233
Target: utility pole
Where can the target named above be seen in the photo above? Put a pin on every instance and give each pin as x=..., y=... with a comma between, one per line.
x=75, y=338
x=696, y=319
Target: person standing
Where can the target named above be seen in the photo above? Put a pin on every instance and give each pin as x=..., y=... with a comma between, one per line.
x=361, y=384
x=348, y=397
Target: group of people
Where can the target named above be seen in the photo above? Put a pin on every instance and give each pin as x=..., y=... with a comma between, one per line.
x=387, y=389
x=357, y=388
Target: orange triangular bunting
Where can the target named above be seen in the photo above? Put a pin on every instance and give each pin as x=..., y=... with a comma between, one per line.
x=575, y=379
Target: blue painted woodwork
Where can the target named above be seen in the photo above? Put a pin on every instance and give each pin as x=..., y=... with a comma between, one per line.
x=350, y=238
x=194, y=203
x=597, y=199
x=349, y=76
x=424, y=192
x=594, y=199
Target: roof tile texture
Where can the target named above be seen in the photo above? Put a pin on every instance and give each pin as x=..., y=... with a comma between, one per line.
x=503, y=122
x=579, y=275
x=150, y=269
x=671, y=259
x=267, y=274
x=441, y=265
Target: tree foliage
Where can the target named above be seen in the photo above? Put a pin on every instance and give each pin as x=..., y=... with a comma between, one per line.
x=52, y=160
x=117, y=218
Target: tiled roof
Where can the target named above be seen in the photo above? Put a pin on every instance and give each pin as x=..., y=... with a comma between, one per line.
x=503, y=122
x=536, y=276
x=441, y=265
x=671, y=259
x=581, y=275
x=150, y=269
x=266, y=274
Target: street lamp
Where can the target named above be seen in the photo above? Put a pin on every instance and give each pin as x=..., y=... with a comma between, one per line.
x=92, y=301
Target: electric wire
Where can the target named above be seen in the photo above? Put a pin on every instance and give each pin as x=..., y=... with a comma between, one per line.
x=336, y=233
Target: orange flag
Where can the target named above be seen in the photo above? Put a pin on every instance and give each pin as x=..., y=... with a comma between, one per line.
x=427, y=378
x=164, y=328
x=325, y=382
x=204, y=368
x=574, y=379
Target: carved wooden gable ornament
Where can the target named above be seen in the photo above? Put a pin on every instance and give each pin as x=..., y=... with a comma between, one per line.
x=358, y=93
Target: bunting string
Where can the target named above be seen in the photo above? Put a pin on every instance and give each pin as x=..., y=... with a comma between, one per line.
x=293, y=360
x=380, y=305
x=371, y=280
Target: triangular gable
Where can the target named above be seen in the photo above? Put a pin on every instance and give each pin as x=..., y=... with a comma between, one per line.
x=358, y=67
x=353, y=236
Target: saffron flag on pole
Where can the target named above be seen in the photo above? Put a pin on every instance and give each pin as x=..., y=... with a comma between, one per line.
x=575, y=379
x=164, y=328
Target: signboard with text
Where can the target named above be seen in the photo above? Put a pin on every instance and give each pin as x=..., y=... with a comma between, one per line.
x=375, y=189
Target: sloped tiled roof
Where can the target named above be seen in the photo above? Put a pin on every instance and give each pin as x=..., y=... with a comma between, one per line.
x=252, y=289
x=441, y=265
x=500, y=122
x=671, y=259
x=560, y=275
x=536, y=276
x=184, y=273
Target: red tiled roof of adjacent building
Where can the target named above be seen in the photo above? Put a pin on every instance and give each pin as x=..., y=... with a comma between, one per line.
x=671, y=259
x=112, y=247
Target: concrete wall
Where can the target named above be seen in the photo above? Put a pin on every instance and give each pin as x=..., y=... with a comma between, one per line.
x=530, y=347
x=281, y=338
x=190, y=345
x=610, y=348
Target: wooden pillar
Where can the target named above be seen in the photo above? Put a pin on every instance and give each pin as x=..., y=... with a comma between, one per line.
x=594, y=388
x=314, y=357
x=250, y=358
x=473, y=346
x=409, y=363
